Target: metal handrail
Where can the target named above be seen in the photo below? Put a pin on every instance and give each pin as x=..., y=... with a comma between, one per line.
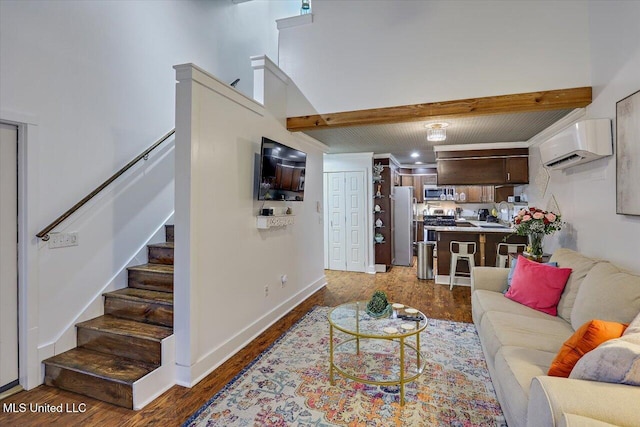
x=44, y=234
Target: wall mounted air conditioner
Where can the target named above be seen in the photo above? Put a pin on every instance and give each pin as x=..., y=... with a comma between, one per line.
x=581, y=142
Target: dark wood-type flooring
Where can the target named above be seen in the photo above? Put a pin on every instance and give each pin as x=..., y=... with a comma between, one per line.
x=177, y=404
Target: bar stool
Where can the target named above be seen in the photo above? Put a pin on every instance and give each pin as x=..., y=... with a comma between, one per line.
x=464, y=250
x=502, y=255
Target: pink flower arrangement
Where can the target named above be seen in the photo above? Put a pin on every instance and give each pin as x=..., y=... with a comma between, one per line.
x=534, y=220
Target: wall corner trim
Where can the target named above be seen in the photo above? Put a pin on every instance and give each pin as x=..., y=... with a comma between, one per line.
x=265, y=63
x=294, y=21
x=189, y=71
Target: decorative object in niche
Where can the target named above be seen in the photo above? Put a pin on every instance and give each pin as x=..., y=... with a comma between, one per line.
x=628, y=155
x=377, y=171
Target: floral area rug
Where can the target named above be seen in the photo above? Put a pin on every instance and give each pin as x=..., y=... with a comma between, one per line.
x=288, y=385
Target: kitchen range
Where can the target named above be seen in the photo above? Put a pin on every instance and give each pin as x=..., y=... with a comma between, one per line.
x=432, y=221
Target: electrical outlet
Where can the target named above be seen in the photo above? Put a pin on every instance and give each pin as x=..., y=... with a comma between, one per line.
x=266, y=291
x=63, y=240
x=283, y=279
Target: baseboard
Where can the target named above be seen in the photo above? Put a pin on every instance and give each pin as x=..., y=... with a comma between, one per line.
x=188, y=376
x=443, y=279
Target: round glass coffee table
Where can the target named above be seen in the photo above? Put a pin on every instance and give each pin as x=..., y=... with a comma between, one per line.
x=383, y=352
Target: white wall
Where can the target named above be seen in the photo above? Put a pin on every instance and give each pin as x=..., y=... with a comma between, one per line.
x=98, y=76
x=94, y=80
x=586, y=194
x=358, y=55
x=222, y=261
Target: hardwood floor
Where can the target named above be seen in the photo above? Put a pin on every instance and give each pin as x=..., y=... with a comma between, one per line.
x=179, y=403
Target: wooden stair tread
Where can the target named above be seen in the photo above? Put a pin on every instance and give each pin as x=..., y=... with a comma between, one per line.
x=167, y=245
x=153, y=268
x=115, y=325
x=143, y=295
x=101, y=365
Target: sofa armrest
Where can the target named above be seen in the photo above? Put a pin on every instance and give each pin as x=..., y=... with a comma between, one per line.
x=489, y=278
x=573, y=420
x=552, y=397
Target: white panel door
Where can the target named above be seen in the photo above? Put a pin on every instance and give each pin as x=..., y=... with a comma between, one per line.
x=354, y=226
x=8, y=254
x=336, y=209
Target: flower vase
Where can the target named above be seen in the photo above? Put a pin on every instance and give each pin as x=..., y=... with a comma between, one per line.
x=535, y=244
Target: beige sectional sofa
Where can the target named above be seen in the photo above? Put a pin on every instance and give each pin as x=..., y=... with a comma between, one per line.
x=520, y=343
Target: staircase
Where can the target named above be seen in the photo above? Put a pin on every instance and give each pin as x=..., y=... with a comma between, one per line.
x=116, y=350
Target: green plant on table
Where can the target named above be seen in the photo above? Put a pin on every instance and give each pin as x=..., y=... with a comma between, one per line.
x=378, y=303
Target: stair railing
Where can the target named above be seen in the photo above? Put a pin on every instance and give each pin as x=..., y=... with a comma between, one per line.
x=44, y=234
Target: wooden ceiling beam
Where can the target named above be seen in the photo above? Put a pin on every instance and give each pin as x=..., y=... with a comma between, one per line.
x=547, y=100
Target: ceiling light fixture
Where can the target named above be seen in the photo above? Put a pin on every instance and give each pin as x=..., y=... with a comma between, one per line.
x=436, y=131
x=415, y=154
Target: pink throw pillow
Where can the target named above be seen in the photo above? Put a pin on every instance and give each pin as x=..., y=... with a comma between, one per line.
x=538, y=286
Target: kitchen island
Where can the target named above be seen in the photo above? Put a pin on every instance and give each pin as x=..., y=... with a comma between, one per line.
x=486, y=235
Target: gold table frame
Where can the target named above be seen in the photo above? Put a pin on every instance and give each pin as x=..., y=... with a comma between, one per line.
x=357, y=334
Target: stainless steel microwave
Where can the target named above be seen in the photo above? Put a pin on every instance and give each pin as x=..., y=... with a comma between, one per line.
x=433, y=192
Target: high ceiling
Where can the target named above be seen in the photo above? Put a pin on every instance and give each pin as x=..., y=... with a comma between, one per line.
x=401, y=130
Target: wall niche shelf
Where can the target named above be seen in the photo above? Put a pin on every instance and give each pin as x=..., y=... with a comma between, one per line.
x=265, y=222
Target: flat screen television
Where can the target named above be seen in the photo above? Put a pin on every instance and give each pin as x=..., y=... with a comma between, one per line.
x=282, y=172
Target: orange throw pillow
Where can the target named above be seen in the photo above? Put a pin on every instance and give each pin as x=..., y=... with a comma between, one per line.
x=586, y=338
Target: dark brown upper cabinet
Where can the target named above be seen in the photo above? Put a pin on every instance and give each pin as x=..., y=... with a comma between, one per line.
x=483, y=167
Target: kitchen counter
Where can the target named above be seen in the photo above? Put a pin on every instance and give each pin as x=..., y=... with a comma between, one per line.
x=471, y=226
x=486, y=235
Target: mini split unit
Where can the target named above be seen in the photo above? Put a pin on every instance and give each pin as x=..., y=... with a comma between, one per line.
x=581, y=142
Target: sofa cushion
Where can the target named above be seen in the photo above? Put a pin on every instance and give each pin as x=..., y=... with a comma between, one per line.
x=634, y=326
x=512, y=270
x=499, y=329
x=484, y=301
x=586, y=338
x=580, y=266
x=574, y=420
x=615, y=361
x=514, y=369
x=607, y=293
x=538, y=286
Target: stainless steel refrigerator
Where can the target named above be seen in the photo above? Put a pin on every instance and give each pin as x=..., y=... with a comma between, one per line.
x=403, y=225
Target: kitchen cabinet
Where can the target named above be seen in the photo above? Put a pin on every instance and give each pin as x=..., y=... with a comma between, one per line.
x=417, y=178
x=475, y=193
x=406, y=180
x=483, y=167
x=517, y=170
x=419, y=231
x=414, y=181
x=503, y=192
x=471, y=171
